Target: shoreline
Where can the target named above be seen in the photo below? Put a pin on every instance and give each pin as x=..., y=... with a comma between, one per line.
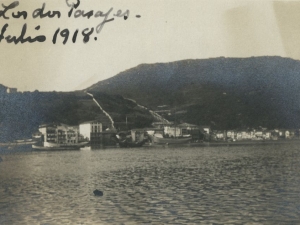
x=225, y=143
x=16, y=147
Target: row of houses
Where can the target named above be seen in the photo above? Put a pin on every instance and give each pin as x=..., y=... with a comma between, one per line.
x=94, y=133
x=180, y=129
x=205, y=132
x=184, y=129
x=7, y=90
x=254, y=134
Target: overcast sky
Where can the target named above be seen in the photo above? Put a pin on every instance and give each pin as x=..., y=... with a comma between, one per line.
x=168, y=30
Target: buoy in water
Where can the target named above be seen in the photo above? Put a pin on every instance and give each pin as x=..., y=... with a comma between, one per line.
x=98, y=193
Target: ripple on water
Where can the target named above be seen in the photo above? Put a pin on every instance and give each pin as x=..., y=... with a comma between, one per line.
x=237, y=185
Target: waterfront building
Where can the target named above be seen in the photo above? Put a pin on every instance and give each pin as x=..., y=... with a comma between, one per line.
x=287, y=134
x=181, y=129
x=220, y=135
x=89, y=129
x=258, y=134
x=138, y=134
x=184, y=129
x=93, y=132
x=244, y=135
x=267, y=135
x=172, y=131
x=231, y=134
x=11, y=90
x=161, y=125
x=104, y=138
x=59, y=133
x=281, y=133
x=206, y=129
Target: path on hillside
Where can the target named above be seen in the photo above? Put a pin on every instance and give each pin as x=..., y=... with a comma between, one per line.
x=109, y=117
x=154, y=114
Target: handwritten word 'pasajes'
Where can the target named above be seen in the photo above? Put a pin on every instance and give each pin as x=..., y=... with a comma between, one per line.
x=91, y=13
x=9, y=12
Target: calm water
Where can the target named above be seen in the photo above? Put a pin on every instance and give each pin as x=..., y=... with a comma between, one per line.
x=207, y=185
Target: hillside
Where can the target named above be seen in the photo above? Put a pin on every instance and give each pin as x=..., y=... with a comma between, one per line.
x=2, y=89
x=22, y=113
x=223, y=92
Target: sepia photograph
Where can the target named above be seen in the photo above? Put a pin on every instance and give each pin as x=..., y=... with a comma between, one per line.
x=149, y=112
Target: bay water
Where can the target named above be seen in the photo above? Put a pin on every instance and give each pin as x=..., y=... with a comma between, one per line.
x=152, y=185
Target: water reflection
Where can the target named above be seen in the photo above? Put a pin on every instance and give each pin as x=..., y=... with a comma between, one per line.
x=235, y=185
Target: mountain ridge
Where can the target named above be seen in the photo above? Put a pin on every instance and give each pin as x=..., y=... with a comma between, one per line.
x=226, y=93
x=268, y=83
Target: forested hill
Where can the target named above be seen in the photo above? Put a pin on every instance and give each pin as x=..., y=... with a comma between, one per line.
x=22, y=113
x=224, y=92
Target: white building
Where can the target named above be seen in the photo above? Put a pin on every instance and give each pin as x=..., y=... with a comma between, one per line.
x=172, y=131
x=220, y=135
x=287, y=134
x=231, y=134
x=86, y=128
x=11, y=90
x=59, y=133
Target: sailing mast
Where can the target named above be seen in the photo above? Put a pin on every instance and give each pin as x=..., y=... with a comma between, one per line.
x=175, y=121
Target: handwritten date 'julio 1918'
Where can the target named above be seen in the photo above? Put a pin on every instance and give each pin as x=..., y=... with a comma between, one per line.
x=86, y=33
x=43, y=13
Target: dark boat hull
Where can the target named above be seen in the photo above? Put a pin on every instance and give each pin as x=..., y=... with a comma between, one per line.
x=126, y=144
x=54, y=146
x=42, y=148
x=167, y=141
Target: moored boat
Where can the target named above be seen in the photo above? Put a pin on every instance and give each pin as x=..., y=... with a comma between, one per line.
x=128, y=144
x=17, y=143
x=163, y=140
x=54, y=146
x=131, y=139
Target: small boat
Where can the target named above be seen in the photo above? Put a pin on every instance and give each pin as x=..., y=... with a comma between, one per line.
x=17, y=143
x=159, y=139
x=54, y=146
x=128, y=144
x=131, y=139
